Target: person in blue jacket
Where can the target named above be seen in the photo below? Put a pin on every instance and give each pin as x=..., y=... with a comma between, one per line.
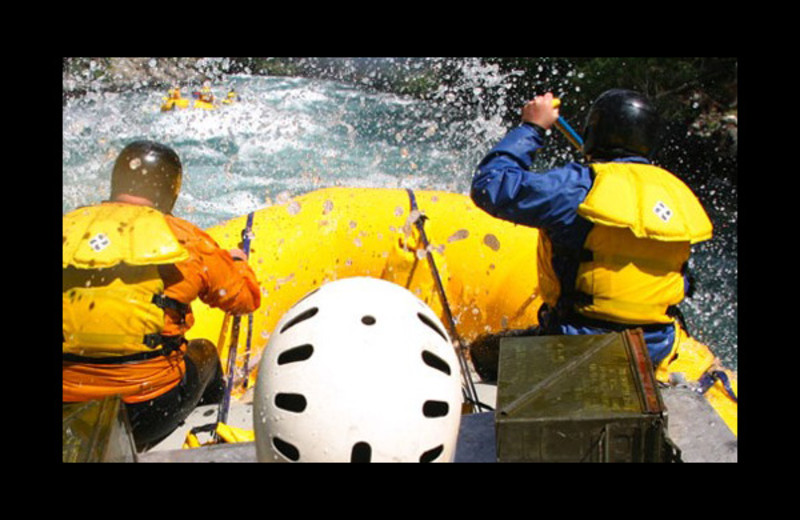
x=615, y=231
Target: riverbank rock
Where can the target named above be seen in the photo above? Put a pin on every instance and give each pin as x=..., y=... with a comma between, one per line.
x=82, y=75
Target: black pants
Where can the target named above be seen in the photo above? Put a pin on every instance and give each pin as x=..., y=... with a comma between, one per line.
x=484, y=351
x=202, y=383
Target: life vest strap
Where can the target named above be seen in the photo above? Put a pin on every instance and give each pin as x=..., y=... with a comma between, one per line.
x=587, y=255
x=168, y=345
x=581, y=298
x=165, y=302
x=574, y=318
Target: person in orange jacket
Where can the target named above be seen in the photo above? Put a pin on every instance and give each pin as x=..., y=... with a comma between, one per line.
x=130, y=271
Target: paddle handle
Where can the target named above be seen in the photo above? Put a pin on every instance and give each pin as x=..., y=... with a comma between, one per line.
x=561, y=124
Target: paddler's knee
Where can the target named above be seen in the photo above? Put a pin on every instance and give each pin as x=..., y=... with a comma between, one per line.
x=202, y=351
x=485, y=351
x=203, y=354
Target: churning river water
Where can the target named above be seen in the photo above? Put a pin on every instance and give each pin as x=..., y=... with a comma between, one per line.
x=288, y=136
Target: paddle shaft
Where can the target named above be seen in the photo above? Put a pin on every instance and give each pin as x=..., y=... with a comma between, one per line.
x=247, y=236
x=568, y=132
x=224, y=407
x=472, y=393
x=562, y=126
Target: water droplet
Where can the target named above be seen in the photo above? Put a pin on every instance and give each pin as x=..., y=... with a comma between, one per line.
x=461, y=234
x=491, y=242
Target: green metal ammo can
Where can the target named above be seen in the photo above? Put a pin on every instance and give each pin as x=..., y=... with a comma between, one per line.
x=590, y=398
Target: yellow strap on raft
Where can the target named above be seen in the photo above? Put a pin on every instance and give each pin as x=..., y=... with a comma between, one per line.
x=722, y=402
x=691, y=360
x=225, y=433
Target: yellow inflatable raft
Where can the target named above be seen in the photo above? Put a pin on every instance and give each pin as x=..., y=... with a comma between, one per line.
x=487, y=266
x=205, y=105
x=172, y=104
x=337, y=233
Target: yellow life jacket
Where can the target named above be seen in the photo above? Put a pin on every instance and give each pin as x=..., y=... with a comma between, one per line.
x=113, y=303
x=630, y=270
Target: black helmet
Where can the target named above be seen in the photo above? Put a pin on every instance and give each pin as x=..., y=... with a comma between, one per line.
x=621, y=123
x=150, y=170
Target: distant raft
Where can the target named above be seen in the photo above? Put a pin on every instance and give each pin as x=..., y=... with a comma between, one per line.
x=172, y=104
x=204, y=105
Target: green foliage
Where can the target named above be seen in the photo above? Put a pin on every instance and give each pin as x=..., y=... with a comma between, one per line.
x=681, y=87
x=89, y=68
x=265, y=66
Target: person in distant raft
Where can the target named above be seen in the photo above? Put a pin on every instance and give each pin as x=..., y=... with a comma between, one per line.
x=174, y=100
x=130, y=271
x=232, y=97
x=615, y=233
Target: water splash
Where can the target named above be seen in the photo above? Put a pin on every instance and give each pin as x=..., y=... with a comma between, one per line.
x=292, y=135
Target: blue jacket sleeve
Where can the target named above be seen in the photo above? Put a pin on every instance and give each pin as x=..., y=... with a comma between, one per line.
x=504, y=187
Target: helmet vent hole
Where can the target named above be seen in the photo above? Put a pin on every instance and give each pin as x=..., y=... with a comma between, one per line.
x=431, y=455
x=427, y=321
x=303, y=316
x=291, y=402
x=287, y=450
x=434, y=361
x=435, y=408
x=362, y=452
x=293, y=355
x=368, y=320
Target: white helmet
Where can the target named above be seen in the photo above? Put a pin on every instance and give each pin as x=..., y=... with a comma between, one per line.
x=358, y=370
